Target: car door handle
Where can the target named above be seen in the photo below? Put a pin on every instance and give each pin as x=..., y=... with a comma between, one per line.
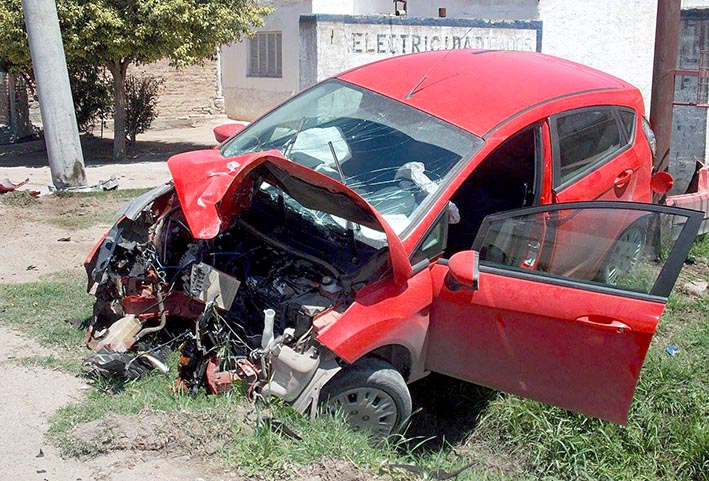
x=604, y=323
x=623, y=178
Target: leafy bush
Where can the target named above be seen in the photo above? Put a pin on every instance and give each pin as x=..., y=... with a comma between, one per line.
x=92, y=93
x=141, y=103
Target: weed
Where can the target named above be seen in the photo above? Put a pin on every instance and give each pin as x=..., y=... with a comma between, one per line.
x=17, y=198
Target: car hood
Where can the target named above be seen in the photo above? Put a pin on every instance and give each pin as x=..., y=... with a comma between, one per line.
x=213, y=189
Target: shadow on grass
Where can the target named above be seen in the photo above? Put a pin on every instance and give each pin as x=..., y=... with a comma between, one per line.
x=446, y=410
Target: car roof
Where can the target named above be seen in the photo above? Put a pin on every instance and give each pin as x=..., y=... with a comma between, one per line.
x=479, y=89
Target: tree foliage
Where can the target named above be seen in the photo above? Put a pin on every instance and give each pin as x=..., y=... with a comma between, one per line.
x=116, y=33
x=141, y=103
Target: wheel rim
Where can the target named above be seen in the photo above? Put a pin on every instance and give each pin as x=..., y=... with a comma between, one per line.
x=624, y=255
x=366, y=408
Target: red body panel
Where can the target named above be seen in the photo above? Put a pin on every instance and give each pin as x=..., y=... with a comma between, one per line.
x=384, y=314
x=531, y=339
x=698, y=200
x=477, y=89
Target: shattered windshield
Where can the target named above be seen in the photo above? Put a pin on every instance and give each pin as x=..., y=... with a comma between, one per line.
x=394, y=156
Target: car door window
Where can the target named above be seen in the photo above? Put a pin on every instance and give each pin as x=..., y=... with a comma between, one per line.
x=627, y=121
x=584, y=139
x=600, y=244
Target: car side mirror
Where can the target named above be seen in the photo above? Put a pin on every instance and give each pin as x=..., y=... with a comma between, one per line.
x=464, y=270
x=661, y=182
x=224, y=131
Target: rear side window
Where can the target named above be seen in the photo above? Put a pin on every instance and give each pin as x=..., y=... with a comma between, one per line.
x=627, y=120
x=585, y=139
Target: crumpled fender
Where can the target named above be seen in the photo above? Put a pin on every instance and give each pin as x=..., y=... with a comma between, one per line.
x=213, y=189
x=383, y=314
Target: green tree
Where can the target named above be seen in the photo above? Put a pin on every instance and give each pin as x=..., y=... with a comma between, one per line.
x=116, y=33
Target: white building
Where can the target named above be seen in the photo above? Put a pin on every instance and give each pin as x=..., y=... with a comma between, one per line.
x=305, y=41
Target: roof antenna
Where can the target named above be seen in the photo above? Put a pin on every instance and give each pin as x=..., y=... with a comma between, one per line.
x=423, y=79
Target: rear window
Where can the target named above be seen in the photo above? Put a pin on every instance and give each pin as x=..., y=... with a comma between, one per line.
x=585, y=139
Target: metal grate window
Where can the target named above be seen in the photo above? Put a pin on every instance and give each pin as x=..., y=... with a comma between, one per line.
x=265, y=50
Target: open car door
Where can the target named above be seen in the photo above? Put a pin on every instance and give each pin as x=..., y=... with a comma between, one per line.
x=563, y=303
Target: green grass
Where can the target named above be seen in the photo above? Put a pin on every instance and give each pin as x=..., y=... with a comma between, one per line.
x=699, y=253
x=667, y=436
x=45, y=311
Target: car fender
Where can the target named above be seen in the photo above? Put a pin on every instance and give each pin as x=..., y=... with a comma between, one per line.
x=383, y=314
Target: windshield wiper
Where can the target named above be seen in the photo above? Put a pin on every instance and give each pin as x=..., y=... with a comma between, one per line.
x=337, y=162
x=289, y=147
x=350, y=224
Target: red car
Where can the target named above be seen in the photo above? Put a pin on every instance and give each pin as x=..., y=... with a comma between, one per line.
x=362, y=235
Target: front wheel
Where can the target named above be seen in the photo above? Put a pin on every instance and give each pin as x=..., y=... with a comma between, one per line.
x=371, y=394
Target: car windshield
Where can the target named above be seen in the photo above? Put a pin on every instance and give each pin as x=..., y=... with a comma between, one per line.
x=394, y=156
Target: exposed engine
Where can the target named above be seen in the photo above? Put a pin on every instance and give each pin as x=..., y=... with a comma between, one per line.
x=231, y=304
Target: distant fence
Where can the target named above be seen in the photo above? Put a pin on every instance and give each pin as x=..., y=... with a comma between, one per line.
x=4, y=99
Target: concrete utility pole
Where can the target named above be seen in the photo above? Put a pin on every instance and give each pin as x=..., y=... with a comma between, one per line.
x=663, y=77
x=61, y=134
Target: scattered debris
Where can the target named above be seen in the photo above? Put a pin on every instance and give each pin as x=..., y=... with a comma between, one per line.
x=696, y=287
x=672, y=350
x=6, y=185
x=64, y=239
x=31, y=268
x=40, y=454
x=426, y=473
x=102, y=186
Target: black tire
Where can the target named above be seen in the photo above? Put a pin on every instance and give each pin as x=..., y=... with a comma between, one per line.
x=624, y=255
x=371, y=393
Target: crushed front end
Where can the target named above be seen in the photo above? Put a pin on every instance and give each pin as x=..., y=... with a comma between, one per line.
x=239, y=305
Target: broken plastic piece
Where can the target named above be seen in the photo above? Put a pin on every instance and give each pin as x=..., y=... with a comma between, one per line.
x=102, y=186
x=211, y=285
x=6, y=185
x=291, y=372
x=267, y=336
x=672, y=349
x=119, y=337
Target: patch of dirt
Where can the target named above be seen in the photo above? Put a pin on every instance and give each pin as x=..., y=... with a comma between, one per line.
x=31, y=395
x=43, y=242
x=145, y=165
x=176, y=434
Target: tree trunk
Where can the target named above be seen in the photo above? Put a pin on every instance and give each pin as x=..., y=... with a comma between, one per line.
x=19, y=108
x=119, y=70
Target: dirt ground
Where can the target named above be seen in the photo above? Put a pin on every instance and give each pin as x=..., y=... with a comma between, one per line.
x=31, y=395
x=29, y=246
x=35, y=245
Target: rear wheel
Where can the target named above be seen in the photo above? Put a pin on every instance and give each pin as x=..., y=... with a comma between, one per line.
x=371, y=394
x=624, y=255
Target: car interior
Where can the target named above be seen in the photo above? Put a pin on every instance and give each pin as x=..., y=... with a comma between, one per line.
x=505, y=180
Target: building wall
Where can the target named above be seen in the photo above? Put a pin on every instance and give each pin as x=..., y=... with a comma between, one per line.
x=246, y=98
x=617, y=37
x=487, y=9
x=330, y=44
x=689, y=123
x=187, y=94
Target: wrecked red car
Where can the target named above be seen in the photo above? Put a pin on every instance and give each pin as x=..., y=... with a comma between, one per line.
x=419, y=214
